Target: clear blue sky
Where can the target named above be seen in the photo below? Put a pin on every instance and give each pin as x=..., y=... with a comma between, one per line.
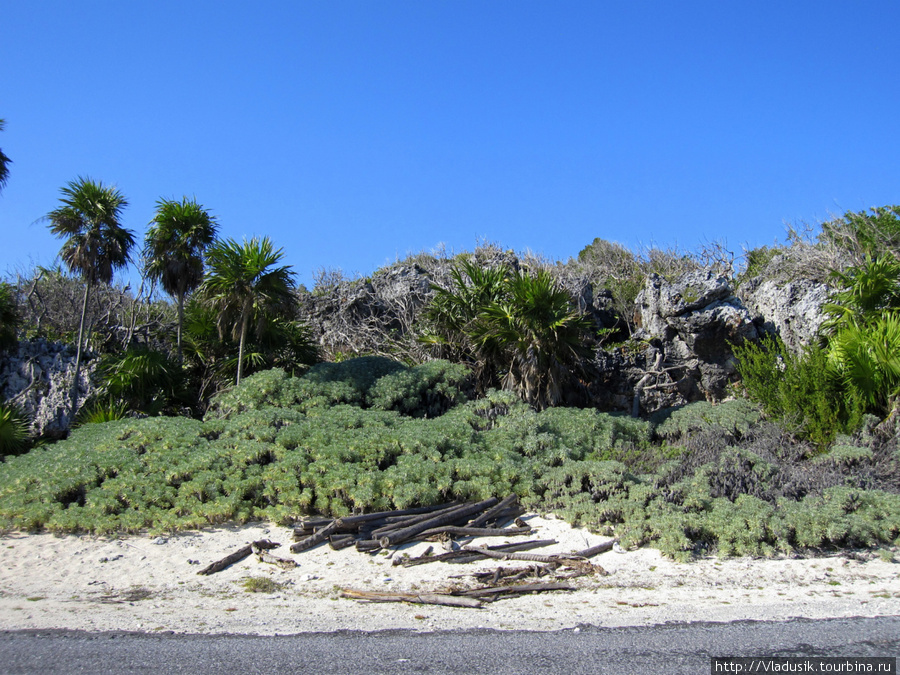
x=353, y=133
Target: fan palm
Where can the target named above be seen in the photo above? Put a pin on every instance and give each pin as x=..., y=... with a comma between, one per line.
x=173, y=250
x=451, y=315
x=866, y=357
x=245, y=285
x=540, y=334
x=4, y=162
x=865, y=291
x=95, y=243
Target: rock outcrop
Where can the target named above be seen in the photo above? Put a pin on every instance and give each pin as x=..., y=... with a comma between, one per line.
x=792, y=310
x=36, y=377
x=692, y=323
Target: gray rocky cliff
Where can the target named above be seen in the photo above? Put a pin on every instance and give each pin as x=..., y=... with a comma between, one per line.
x=36, y=377
x=792, y=310
x=691, y=323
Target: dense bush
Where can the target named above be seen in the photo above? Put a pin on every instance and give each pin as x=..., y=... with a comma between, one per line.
x=734, y=417
x=426, y=390
x=798, y=391
x=265, y=454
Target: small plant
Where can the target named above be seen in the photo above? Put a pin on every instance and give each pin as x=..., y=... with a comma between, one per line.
x=261, y=585
x=99, y=412
x=14, y=436
x=886, y=555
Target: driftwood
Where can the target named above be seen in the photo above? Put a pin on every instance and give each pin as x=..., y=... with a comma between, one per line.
x=420, y=598
x=315, y=539
x=596, y=550
x=517, y=589
x=494, y=512
x=237, y=556
x=377, y=531
x=573, y=560
x=341, y=541
x=513, y=555
x=309, y=525
x=456, y=531
x=409, y=527
x=464, y=556
x=263, y=556
x=445, y=518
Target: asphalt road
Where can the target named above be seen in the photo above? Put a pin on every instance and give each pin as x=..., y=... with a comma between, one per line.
x=670, y=649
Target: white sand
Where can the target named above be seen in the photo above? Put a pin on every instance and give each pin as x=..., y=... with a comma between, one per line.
x=148, y=584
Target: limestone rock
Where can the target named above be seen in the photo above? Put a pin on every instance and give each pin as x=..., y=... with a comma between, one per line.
x=694, y=320
x=36, y=377
x=792, y=310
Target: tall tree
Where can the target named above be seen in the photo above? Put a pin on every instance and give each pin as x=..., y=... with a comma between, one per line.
x=246, y=286
x=4, y=162
x=95, y=243
x=179, y=234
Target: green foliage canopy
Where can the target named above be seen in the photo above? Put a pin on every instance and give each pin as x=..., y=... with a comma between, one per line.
x=245, y=285
x=173, y=249
x=95, y=243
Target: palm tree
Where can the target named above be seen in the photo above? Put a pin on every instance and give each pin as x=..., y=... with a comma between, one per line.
x=451, y=315
x=245, y=286
x=96, y=244
x=4, y=162
x=514, y=329
x=173, y=249
x=541, y=335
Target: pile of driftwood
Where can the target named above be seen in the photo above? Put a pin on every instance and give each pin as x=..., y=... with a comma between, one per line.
x=446, y=523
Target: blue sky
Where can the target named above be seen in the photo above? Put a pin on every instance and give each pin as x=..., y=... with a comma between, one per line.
x=353, y=133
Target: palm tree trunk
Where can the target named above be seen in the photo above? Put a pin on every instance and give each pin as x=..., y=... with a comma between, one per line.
x=74, y=392
x=180, y=324
x=245, y=322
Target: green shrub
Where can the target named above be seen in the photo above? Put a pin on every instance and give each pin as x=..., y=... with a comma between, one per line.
x=734, y=418
x=426, y=390
x=797, y=390
x=262, y=460
x=9, y=317
x=14, y=435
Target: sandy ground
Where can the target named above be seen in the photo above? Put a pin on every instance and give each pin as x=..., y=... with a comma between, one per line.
x=151, y=584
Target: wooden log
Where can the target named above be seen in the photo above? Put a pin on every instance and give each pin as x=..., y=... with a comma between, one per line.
x=341, y=541
x=494, y=511
x=445, y=518
x=596, y=550
x=468, y=556
x=266, y=557
x=315, y=539
x=419, y=598
x=398, y=513
x=368, y=545
x=495, y=575
x=518, y=589
x=529, y=557
x=394, y=524
x=308, y=525
x=456, y=531
x=237, y=556
x=400, y=516
x=507, y=516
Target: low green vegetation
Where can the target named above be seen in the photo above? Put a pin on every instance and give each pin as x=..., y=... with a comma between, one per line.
x=807, y=458
x=372, y=434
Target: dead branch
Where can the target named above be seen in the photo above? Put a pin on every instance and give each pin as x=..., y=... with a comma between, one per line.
x=237, y=556
x=265, y=557
x=419, y=598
